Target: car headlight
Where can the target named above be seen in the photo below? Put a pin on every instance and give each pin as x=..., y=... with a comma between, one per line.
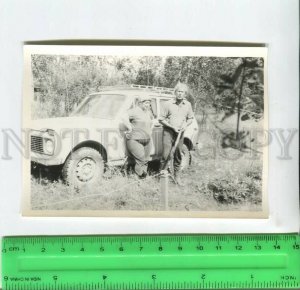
x=48, y=146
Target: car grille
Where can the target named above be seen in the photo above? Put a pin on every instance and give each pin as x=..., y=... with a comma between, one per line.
x=37, y=144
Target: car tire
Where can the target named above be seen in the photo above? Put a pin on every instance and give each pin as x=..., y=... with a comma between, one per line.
x=85, y=166
x=186, y=157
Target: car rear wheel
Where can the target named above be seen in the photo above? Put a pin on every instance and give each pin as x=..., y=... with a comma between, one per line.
x=186, y=157
x=85, y=166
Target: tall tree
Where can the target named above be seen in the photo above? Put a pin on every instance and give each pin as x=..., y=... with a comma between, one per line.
x=241, y=90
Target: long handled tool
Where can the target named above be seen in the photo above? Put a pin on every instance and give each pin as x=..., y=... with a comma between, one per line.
x=172, y=151
x=164, y=174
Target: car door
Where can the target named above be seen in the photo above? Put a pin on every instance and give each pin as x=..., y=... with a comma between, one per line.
x=122, y=128
x=157, y=132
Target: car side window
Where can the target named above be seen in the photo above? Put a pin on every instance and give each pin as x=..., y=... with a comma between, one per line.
x=135, y=102
x=162, y=103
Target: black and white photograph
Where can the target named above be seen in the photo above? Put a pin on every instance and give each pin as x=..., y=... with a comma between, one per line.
x=145, y=131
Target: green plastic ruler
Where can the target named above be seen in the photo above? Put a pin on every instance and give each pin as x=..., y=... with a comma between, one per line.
x=151, y=262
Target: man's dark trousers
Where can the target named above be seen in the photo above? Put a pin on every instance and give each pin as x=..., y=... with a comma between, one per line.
x=169, y=139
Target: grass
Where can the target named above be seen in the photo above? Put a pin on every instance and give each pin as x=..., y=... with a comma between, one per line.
x=211, y=184
x=115, y=193
x=219, y=179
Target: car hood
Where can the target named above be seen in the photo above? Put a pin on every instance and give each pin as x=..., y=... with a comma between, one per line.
x=59, y=124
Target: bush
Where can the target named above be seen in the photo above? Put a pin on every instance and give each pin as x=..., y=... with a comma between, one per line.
x=244, y=188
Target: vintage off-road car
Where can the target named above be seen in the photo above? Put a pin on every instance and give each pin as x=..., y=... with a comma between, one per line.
x=91, y=139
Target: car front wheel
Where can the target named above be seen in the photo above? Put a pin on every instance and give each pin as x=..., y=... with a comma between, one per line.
x=83, y=166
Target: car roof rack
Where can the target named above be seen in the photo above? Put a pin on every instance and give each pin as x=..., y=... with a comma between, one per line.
x=113, y=88
x=160, y=90
x=153, y=88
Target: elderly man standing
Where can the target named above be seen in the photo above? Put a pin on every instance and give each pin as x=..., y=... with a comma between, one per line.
x=176, y=116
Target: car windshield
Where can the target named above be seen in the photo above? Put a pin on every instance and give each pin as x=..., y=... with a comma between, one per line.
x=104, y=106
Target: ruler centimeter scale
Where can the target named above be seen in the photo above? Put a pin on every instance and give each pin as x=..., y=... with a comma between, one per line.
x=151, y=262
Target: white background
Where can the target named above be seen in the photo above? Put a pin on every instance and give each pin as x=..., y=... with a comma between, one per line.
x=272, y=22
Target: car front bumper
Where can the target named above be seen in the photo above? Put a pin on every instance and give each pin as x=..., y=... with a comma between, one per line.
x=47, y=161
